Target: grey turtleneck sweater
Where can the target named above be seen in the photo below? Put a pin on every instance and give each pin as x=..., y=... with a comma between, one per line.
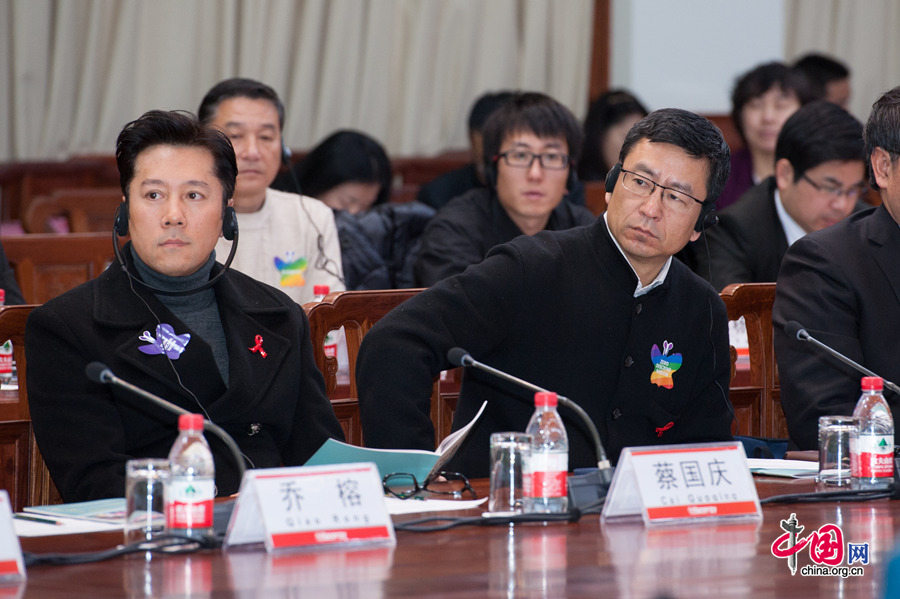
x=199, y=311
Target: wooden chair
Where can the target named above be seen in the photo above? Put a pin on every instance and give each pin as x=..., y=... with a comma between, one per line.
x=48, y=265
x=85, y=209
x=23, y=473
x=357, y=312
x=757, y=402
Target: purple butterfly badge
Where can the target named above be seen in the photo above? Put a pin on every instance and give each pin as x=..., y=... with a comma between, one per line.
x=166, y=342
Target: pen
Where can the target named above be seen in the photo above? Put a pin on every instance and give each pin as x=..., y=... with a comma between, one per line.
x=36, y=519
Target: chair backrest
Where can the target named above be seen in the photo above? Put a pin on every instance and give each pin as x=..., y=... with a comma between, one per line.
x=49, y=265
x=86, y=209
x=757, y=398
x=22, y=470
x=357, y=312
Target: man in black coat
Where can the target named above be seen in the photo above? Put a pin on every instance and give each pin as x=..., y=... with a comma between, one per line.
x=843, y=285
x=531, y=145
x=819, y=180
x=169, y=319
x=601, y=314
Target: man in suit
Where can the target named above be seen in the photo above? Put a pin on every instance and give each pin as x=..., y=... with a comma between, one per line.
x=843, y=285
x=819, y=180
x=531, y=145
x=602, y=314
x=171, y=320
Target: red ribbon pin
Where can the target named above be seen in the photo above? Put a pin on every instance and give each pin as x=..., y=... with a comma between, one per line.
x=660, y=430
x=259, y=348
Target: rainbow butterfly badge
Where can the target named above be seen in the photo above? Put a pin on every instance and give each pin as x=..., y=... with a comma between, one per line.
x=664, y=365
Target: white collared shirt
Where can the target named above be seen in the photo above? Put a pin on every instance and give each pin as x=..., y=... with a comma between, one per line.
x=792, y=230
x=641, y=289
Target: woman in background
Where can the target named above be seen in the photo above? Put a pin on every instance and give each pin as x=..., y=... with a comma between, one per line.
x=351, y=173
x=762, y=100
x=608, y=120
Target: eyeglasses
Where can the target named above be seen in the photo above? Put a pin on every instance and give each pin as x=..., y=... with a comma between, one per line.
x=555, y=161
x=854, y=192
x=673, y=200
x=404, y=485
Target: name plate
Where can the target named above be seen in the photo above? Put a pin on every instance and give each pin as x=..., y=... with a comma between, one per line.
x=307, y=507
x=12, y=567
x=668, y=484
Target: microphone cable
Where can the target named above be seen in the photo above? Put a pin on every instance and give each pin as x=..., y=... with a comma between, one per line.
x=322, y=261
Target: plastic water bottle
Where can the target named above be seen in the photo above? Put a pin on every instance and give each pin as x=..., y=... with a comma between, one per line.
x=330, y=344
x=549, y=463
x=6, y=352
x=192, y=481
x=872, y=455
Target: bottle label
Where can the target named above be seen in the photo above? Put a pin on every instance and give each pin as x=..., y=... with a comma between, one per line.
x=6, y=358
x=548, y=474
x=330, y=346
x=873, y=458
x=190, y=503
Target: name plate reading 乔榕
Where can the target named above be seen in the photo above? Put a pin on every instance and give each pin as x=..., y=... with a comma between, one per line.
x=306, y=507
x=668, y=484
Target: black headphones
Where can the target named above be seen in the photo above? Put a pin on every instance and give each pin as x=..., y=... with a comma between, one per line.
x=490, y=175
x=229, y=221
x=285, y=155
x=707, y=217
x=229, y=232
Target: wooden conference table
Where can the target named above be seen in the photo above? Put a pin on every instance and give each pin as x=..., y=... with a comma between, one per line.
x=586, y=559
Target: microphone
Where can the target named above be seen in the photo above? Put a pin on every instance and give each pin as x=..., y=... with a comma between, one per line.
x=100, y=373
x=598, y=482
x=795, y=329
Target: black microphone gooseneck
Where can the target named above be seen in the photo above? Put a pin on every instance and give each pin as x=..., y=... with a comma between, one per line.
x=460, y=357
x=795, y=329
x=100, y=373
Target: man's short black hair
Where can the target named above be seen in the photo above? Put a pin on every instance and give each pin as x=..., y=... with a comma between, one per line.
x=238, y=88
x=758, y=80
x=883, y=128
x=821, y=70
x=690, y=132
x=345, y=157
x=819, y=132
x=532, y=112
x=485, y=107
x=175, y=128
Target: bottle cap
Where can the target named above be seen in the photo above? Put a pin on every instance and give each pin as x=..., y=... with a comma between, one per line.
x=190, y=422
x=321, y=289
x=2, y=296
x=545, y=399
x=872, y=383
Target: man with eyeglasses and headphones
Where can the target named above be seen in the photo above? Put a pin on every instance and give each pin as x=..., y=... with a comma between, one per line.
x=602, y=314
x=820, y=178
x=171, y=320
x=530, y=146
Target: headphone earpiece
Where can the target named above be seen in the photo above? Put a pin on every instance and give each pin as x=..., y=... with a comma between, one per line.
x=120, y=224
x=708, y=217
x=229, y=223
x=490, y=173
x=612, y=177
x=572, y=179
x=285, y=155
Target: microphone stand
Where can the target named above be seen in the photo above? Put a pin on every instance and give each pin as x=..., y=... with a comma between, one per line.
x=585, y=490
